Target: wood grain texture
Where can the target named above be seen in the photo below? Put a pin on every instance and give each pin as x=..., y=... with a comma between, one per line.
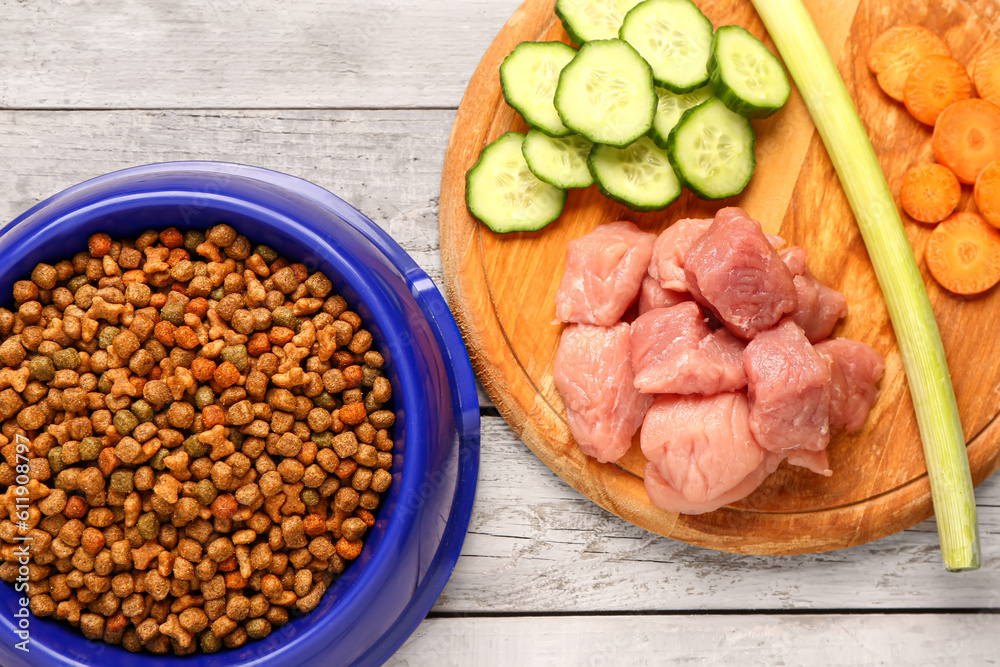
x=537, y=546
x=502, y=287
x=834, y=641
x=127, y=54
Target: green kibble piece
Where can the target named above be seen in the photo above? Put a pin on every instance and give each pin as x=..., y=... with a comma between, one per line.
x=42, y=368
x=205, y=492
x=173, y=313
x=237, y=438
x=142, y=410
x=156, y=463
x=323, y=440
x=325, y=401
x=369, y=375
x=76, y=282
x=266, y=253
x=104, y=384
x=258, y=628
x=237, y=356
x=217, y=293
x=195, y=448
x=284, y=317
x=90, y=448
x=371, y=405
x=121, y=481
x=149, y=526
x=105, y=337
x=310, y=497
x=209, y=642
x=66, y=359
x=192, y=239
x=204, y=397
x=55, y=460
x=125, y=422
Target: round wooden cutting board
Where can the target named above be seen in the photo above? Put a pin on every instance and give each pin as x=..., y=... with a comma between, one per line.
x=501, y=289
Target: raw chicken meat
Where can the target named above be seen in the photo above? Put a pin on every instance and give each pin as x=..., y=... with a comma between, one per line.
x=737, y=273
x=593, y=374
x=789, y=389
x=651, y=296
x=674, y=351
x=603, y=272
x=818, y=307
x=855, y=368
x=673, y=243
x=701, y=452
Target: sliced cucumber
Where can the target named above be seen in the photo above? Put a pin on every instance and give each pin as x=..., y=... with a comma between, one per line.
x=528, y=77
x=501, y=191
x=675, y=38
x=669, y=109
x=747, y=77
x=711, y=149
x=639, y=176
x=585, y=20
x=606, y=93
x=559, y=161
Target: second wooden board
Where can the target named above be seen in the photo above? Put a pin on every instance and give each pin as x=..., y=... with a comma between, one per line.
x=502, y=287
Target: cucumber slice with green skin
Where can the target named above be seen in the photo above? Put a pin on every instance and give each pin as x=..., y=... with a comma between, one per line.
x=528, y=78
x=638, y=176
x=711, y=150
x=675, y=38
x=669, y=109
x=585, y=20
x=606, y=93
x=502, y=192
x=747, y=77
x=559, y=161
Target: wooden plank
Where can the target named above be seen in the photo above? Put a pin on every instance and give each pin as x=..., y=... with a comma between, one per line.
x=233, y=54
x=385, y=163
x=536, y=545
x=834, y=640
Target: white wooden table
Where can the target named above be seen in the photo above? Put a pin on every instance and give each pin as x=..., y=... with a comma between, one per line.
x=359, y=97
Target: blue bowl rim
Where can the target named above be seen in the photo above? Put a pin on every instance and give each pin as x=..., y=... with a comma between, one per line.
x=451, y=346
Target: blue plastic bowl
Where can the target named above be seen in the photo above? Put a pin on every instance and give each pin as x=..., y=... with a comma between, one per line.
x=410, y=553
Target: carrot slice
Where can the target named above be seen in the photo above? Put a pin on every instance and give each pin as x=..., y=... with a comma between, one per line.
x=967, y=137
x=897, y=51
x=963, y=254
x=935, y=83
x=987, y=193
x=986, y=74
x=930, y=192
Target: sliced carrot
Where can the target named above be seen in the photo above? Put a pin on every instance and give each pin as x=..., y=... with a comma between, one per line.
x=935, y=83
x=963, y=254
x=930, y=192
x=967, y=137
x=897, y=51
x=986, y=74
x=987, y=193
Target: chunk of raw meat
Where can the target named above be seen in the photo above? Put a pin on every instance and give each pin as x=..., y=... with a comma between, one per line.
x=651, y=296
x=674, y=352
x=593, y=374
x=701, y=452
x=855, y=369
x=818, y=307
x=604, y=270
x=788, y=384
x=672, y=245
x=664, y=496
x=737, y=273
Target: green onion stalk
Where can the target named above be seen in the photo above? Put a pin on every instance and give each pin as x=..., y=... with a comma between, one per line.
x=836, y=118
